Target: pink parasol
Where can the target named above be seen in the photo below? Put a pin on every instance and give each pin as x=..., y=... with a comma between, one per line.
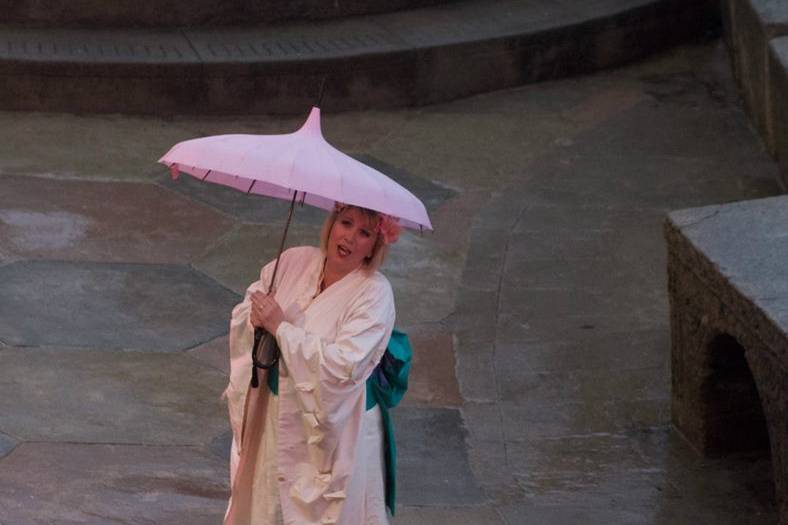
x=300, y=167
x=302, y=162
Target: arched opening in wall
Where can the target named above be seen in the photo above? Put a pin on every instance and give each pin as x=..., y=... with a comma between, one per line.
x=735, y=422
x=734, y=418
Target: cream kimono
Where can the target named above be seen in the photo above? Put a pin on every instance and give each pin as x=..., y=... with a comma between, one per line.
x=313, y=449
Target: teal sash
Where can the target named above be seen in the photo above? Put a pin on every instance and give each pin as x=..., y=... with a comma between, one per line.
x=385, y=388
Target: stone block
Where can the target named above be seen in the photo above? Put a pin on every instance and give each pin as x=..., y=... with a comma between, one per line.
x=752, y=24
x=92, y=396
x=48, y=218
x=779, y=67
x=97, y=484
x=110, y=306
x=728, y=286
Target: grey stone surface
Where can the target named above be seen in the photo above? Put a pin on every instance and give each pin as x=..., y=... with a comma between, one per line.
x=214, y=353
x=750, y=25
x=417, y=56
x=7, y=444
x=432, y=464
x=236, y=259
x=99, y=484
x=559, y=192
x=779, y=67
x=94, y=396
x=744, y=240
x=729, y=323
x=447, y=516
x=130, y=306
x=46, y=218
x=178, y=13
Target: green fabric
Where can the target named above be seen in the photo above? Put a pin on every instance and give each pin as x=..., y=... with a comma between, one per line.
x=385, y=387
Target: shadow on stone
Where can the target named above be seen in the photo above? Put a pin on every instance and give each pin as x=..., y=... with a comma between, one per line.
x=432, y=462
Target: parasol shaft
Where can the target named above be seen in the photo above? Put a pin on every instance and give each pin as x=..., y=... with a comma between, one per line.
x=282, y=243
x=259, y=334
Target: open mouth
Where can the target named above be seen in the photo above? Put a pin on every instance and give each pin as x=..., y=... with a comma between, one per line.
x=344, y=252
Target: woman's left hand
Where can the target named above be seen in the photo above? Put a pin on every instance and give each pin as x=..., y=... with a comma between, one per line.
x=265, y=312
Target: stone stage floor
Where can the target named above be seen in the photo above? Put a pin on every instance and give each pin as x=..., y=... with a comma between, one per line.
x=538, y=307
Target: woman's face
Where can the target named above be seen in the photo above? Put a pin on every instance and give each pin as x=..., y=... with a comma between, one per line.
x=351, y=240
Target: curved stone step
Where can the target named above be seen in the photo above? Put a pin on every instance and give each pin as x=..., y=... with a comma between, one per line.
x=411, y=57
x=173, y=13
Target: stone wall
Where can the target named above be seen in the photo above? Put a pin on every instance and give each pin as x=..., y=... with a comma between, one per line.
x=178, y=13
x=755, y=31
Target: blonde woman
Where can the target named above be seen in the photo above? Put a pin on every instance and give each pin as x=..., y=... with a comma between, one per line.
x=313, y=453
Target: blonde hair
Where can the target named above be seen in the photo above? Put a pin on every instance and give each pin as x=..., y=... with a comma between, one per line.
x=379, y=251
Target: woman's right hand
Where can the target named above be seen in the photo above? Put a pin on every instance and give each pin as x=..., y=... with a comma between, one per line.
x=265, y=312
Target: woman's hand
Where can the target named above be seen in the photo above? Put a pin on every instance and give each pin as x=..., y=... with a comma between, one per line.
x=265, y=312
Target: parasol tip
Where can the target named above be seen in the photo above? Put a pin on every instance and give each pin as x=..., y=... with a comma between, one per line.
x=312, y=124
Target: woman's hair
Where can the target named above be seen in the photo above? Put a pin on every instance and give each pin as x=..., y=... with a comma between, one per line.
x=379, y=251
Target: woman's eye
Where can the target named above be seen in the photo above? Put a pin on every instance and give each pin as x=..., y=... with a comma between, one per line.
x=346, y=222
x=366, y=233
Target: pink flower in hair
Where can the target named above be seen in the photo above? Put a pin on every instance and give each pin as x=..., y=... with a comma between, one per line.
x=389, y=228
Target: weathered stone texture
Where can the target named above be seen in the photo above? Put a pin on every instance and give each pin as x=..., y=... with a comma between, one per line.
x=69, y=483
x=413, y=57
x=779, y=67
x=749, y=26
x=728, y=283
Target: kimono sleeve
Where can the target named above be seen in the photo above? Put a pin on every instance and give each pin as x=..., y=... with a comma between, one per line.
x=241, y=340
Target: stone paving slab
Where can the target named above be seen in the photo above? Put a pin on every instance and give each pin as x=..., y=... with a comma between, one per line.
x=98, y=484
x=588, y=385
x=626, y=350
x=563, y=485
x=47, y=218
x=779, y=68
x=214, y=353
x=432, y=380
x=460, y=515
x=235, y=260
x=522, y=421
x=432, y=465
x=110, y=306
x=7, y=444
x=122, y=397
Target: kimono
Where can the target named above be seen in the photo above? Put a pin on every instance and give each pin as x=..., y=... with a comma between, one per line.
x=313, y=451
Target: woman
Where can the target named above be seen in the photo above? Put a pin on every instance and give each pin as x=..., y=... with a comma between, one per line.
x=313, y=453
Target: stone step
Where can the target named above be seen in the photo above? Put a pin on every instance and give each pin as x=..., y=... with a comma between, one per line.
x=173, y=13
x=411, y=57
x=756, y=32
